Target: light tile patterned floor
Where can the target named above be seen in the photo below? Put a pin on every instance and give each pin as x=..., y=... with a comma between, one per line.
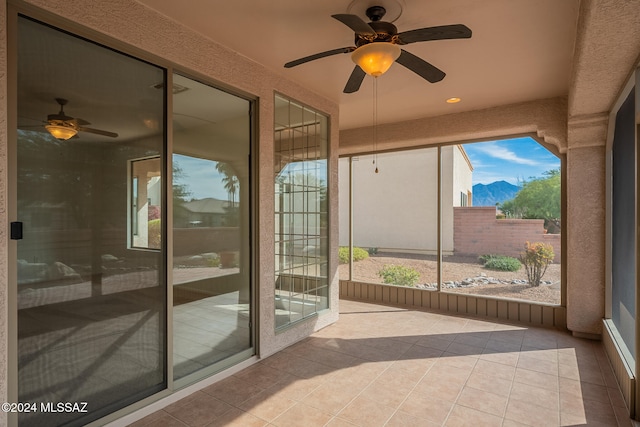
x=386, y=366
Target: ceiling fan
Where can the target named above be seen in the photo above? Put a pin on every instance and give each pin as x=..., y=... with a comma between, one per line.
x=64, y=127
x=378, y=32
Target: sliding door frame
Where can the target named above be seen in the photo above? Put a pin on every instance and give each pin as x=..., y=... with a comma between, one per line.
x=16, y=8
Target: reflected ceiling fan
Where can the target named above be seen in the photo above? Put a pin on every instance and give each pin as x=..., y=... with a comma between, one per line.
x=64, y=127
x=377, y=47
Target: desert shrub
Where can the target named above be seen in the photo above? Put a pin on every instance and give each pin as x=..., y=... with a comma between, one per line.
x=536, y=258
x=155, y=234
x=482, y=259
x=399, y=275
x=372, y=251
x=503, y=263
x=358, y=254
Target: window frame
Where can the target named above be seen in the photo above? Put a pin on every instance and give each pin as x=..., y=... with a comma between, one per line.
x=563, y=205
x=324, y=157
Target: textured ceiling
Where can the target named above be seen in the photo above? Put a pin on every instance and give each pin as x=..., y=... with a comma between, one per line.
x=521, y=50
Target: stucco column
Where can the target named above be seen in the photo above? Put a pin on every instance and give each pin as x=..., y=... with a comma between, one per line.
x=586, y=225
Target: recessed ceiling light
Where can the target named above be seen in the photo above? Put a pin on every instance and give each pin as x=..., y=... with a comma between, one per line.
x=453, y=100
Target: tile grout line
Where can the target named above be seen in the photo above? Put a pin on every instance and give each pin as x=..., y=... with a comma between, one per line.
x=425, y=374
x=513, y=380
x=412, y=389
x=465, y=384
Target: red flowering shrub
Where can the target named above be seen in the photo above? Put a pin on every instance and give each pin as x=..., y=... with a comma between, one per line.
x=536, y=258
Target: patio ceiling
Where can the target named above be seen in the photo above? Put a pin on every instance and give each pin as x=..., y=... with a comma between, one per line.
x=520, y=50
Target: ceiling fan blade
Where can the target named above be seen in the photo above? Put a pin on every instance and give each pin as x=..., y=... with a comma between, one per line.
x=32, y=128
x=82, y=122
x=59, y=117
x=356, y=24
x=420, y=67
x=98, y=132
x=444, y=32
x=355, y=80
x=318, y=56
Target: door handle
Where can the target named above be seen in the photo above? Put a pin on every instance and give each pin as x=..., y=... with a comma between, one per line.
x=16, y=230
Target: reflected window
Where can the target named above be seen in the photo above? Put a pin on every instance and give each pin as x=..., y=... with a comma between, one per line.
x=301, y=239
x=146, y=203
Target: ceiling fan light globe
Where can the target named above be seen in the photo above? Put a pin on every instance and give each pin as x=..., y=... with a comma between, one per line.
x=376, y=58
x=61, y=132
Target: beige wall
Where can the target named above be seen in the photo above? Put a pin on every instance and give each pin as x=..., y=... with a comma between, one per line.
x=396, y=208
x=144, y=33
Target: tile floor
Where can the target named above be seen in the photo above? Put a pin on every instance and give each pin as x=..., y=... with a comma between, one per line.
x=387, y=366
x=208, y=330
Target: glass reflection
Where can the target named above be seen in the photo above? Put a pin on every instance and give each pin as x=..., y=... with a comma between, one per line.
x=91, y=309
x=211, y=263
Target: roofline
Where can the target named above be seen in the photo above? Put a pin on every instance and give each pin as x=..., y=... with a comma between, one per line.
x=464, y=154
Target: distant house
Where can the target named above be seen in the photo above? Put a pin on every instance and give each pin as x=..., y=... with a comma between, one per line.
x=207, y=212
x=401, y=196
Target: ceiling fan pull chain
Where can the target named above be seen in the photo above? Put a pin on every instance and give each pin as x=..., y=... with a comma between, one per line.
x=375, y=122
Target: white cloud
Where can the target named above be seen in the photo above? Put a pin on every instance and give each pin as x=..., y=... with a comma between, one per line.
x=494, y=150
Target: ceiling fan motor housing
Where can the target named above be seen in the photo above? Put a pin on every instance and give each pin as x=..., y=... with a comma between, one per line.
x=375, y=13
x=385, y=32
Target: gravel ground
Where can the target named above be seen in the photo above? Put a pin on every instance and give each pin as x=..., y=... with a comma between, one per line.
x=457, y=269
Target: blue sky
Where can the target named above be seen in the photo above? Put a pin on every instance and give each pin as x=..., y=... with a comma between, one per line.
x=201, y=178
x=512, y=160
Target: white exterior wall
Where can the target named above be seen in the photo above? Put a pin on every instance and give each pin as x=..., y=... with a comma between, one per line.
x=448, y=199
x=463, y=176
x=461, y=181
x=343, y=203
x=403, y=196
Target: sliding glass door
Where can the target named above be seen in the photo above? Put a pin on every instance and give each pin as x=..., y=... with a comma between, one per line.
x=211, y=252
x=96, y=211
x=91, y=288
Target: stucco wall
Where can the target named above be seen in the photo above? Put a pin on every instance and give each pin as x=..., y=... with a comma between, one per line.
x=478, y=232
x=545, y=119
x=607, y=51
x=586, y=245
x=128, y=26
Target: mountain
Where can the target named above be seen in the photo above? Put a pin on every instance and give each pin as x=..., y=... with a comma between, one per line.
x=496, y=192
